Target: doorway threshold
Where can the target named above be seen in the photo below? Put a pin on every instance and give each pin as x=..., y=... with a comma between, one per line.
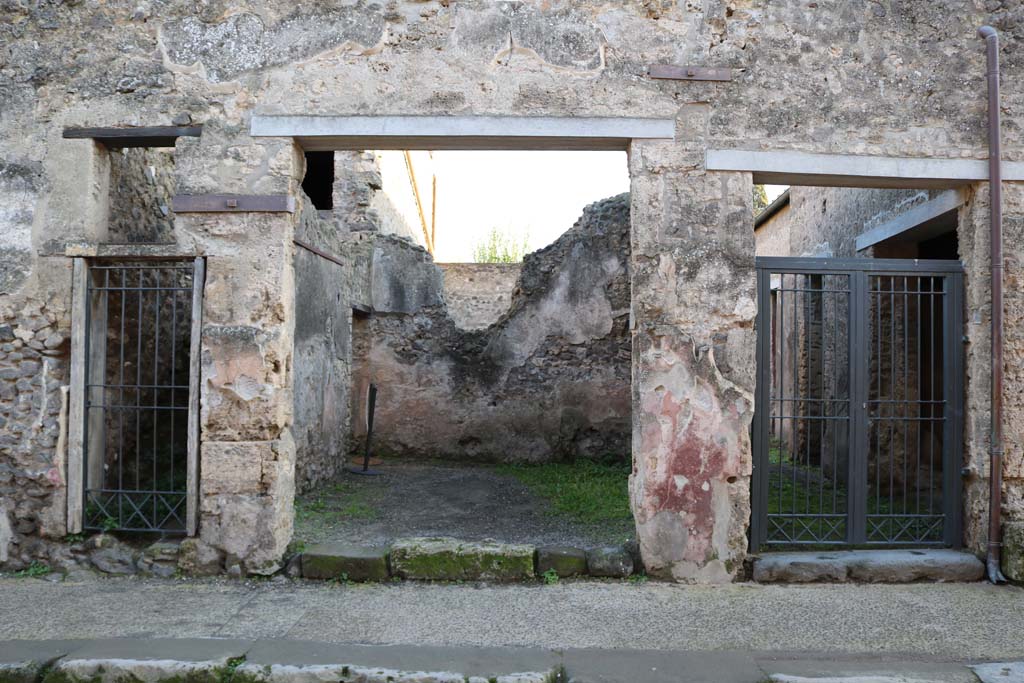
x=868, y=566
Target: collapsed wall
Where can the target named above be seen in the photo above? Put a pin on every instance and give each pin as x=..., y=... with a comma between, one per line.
x=549, y=380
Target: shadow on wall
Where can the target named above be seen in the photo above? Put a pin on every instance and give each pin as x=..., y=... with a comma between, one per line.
x=550, y=380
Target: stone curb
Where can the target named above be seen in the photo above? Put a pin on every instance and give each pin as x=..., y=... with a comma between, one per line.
x=172, y=661
x=284, y=661
x=449, y=559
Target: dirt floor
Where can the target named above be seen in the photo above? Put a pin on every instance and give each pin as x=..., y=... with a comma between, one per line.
x=432, y=498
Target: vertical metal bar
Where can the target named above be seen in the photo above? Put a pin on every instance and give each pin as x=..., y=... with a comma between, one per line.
x=857, y=353
x=120, y=411
x=905, y=406
x=174, y=382
x=835, y=391
x=922, y=410
x=823, y=411
x=156, y=389
x=952, y=530
x=192, y=466
x=76, y=408
x=892, y=398
x=138, y=380
x=761, y=404
x=931, y=396
x=795, y=411
x=781, y=382
x=876, y=298
x=808, y=395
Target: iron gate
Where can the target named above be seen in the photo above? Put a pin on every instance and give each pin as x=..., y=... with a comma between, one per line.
x=141, y=385
x=858, y=420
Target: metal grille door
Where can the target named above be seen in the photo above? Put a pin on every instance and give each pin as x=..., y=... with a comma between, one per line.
x=140, y=422
x=857, y=430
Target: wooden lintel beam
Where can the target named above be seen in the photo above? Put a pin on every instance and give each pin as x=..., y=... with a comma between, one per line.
x=134, y=136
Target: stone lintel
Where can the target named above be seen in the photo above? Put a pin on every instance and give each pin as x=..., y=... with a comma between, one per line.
x=462, y=132
x=851, y=170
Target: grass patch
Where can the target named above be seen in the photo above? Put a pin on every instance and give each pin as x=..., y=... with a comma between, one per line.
x=585, y=491
x=319, y=512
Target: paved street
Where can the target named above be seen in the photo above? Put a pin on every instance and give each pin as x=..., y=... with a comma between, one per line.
x=947, y=621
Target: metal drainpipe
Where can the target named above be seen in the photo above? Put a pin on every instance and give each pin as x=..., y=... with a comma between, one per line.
x=991, y=38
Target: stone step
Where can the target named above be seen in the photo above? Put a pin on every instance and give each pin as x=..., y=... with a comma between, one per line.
x=868, y=566
x=450, y=559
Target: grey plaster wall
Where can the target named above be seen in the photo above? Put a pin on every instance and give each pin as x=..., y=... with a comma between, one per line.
x=322, y=354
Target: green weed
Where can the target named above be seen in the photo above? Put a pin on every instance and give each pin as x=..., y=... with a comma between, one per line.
x=588, y=492
x=34, y=570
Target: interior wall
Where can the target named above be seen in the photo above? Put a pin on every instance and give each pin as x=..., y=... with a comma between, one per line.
x=548, y=381
x=322, y=355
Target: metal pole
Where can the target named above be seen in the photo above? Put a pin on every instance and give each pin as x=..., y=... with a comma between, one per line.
x=995, y=575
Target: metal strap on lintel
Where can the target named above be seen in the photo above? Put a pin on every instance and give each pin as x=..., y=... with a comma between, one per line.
x=673, y=72
x=232, y=203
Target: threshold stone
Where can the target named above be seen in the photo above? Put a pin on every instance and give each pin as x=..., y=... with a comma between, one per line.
x=868, y=566
x=448, y=559
x=565, y=561
x=345, y=561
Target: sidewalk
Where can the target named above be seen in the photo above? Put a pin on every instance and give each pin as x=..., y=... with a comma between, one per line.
x=740, y=626
x=291, y=661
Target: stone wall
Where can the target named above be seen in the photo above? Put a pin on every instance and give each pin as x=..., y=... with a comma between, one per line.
x=478, y=294
x=825, y=221
x=772, y=236
x=886, y=78
x=141, y=187
x=360, y=203
x=548, y=381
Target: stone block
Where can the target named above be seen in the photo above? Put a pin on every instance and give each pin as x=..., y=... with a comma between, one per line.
x=869, y=566
x=609, y=562
x=345, y=560
x=197, y=558
x=1013, y=551
x=564, y=560
x=110, y=556
x=448, y=559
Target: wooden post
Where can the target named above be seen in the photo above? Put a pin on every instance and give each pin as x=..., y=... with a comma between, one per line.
x=195, y=350
x=76, y=419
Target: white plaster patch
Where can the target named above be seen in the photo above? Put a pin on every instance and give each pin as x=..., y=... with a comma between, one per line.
x=246, y=388
x=6, y=535
x=681, y=481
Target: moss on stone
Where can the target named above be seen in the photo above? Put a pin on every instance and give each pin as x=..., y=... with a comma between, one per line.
x=447, y=559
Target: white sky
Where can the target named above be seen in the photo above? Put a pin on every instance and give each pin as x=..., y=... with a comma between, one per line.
x=773, y=191
x=541, y=193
